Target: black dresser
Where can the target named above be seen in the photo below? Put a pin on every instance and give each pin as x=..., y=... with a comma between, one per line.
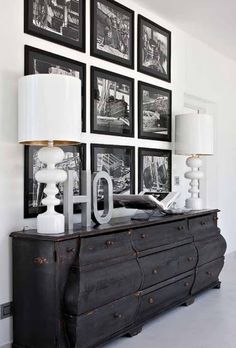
x=84, y=288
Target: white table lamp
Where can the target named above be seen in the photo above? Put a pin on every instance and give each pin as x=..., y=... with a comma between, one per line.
x=49, y=113
x=194, y=135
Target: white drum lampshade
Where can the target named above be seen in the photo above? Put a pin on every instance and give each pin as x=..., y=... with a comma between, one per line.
x=194, y=136
x=49, y=113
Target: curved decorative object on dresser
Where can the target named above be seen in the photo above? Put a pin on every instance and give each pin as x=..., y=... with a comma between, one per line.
x=110, y=279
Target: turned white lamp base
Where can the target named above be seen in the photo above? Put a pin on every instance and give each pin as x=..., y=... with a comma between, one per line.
x=194, y=202
x=51, y=222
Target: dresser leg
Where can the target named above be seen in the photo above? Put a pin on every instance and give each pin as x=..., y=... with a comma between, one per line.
x=217, y=286
x=189, y=302
x=135, y=331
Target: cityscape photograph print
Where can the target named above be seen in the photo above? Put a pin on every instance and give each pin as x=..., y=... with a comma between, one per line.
x=112, y=25
x=42, y=62
x=118, y=162
x=154, y=170
x=154, y=112
x=61, y=21
x=74, y=160
x=112, y=104
x=154, y=51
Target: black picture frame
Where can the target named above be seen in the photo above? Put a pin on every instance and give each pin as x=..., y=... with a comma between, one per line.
x=149, y=170
x=125, y=153
x=110, y=31
x=71, y=35
x=160, y=69
x=31, y=198
x=47, y=61
x=154, y=112
x=117, y=105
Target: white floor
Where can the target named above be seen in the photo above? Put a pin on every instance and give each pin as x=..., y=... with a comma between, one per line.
x=209, y=323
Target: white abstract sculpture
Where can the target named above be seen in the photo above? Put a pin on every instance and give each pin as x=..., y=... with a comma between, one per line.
x=194, y=135
x=49, y=113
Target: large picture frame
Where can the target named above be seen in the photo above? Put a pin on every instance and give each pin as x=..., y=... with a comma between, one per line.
x=154, y=112
x=112, y=103
x=154, y=170
x=154, y=49
x=119, y=162
x=33, y=191
x=59, y=21
x=43, y=62
x=112, y=32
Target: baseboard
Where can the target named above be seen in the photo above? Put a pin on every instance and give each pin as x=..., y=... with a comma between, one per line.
x=6, y=346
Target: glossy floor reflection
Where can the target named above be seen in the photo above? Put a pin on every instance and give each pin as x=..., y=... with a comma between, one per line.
x=209, y=323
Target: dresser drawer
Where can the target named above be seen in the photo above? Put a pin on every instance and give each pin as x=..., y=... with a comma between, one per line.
x=210, y=249
x=207, y=275
x=103, y=247
x=160, y=299
x=164, y=265
x=162, y=234
x=90, y=329
x=89, y=289
x=204, y=226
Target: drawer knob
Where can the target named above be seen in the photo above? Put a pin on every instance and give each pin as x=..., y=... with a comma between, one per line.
x=40, y=260
x=203, y=223
x=109, y=243
x=71, y=250
x=151, y=300
x=117, y=316
x=190, y=258
x=186, y=284
x=180, y=228
x=215, y=218
x=209, y=273
x=155, y=271
x=143, y=235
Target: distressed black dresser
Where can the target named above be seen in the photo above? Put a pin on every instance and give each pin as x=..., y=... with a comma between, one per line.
x=84, y=288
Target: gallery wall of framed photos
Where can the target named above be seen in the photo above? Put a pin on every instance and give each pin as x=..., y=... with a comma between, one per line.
x=123, y=58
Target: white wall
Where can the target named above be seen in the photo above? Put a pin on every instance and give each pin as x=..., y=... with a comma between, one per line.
x=196, y=70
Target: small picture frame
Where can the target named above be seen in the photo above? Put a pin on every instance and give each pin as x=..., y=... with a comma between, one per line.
x=154, y=49
x=118, y=162
x=112, y=32
x=154, y=112
x=59, y=21
x=42, y=62
x=155, y=170
x=112, y=103
x=75, y=159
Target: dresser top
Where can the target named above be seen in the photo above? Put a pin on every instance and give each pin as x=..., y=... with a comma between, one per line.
x=115, y=225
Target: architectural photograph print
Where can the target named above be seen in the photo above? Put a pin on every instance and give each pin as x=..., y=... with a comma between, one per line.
x=60, y=21
x=154, y=112
x=112, y=32
x=112, y=103
x=154, y=170
x=154, y=49
x=118, y=162
x=75, y=160
x=42, y=62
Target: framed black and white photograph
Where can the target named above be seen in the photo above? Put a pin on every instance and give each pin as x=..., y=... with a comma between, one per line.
x=59, y=21
x=112, y=103
x=112, y=32
x=42, y=62
x=155, y=168
x=118, y=162
x=75, y=159
x=154, y=112
x=154, y=49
